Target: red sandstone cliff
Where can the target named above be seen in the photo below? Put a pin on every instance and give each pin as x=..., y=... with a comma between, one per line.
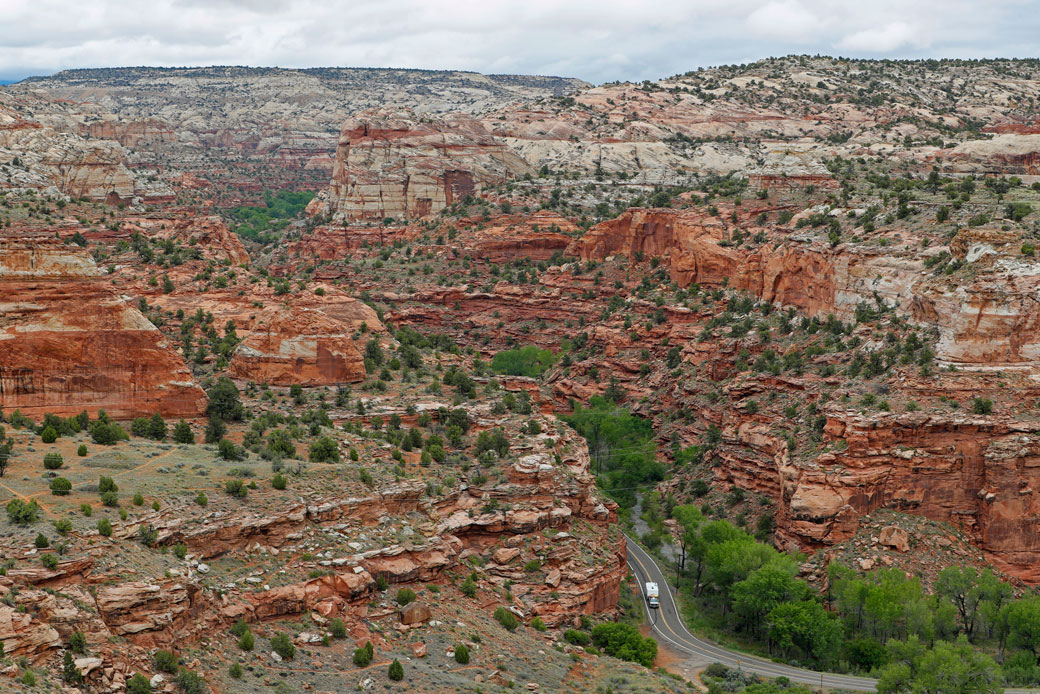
x=70, y=344
x=304, y=347
x=993, y=318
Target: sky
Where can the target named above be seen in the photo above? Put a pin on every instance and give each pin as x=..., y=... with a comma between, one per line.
x=595, y=40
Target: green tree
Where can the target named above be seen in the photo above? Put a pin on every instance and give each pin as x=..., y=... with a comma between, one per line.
x=961, y=585
x=689, y=518
x=506, y=618
x=396, y=671
x=182, y=433
x=363, y=656
x=78, y=642
x=324, y=450
x=621, y=446
x=190, y=682
x=138, y=684
x=224, y=402
x=107, y=433
x=22, y=513
x=215, y=430
x=227, y=450
x=165, y=661
x=246, y=640
x=766, y=588
x=69, y=672
x=374, y=352
x=625, y=642
x=283, y=646
x=1023, y=625
x=807, y=626
x=946, y=668
x=525, y=361
x=157, y=428
x=279, y=441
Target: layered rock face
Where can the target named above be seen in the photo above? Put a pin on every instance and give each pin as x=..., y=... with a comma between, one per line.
x=404, y=166
x=63, y=161
x=1007, y=154
x=972, y=472
x=68, y=343
x=540, y=492
x=208, y=233
x=305, y=347
x=503, y=238
x=991, y=319
x=131, y=134
x=288, y=117
x=509, y=237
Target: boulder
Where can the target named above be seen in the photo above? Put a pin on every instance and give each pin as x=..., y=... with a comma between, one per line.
x=414, y=613
x=504, y=555
x=894, y=537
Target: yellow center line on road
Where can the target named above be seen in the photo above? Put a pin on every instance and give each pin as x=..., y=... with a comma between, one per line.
x=764, y=666
x=664, y=618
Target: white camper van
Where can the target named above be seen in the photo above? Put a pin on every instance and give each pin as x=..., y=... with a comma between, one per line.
x=651, y=595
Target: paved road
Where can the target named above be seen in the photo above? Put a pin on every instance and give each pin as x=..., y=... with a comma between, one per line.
x=669, y=629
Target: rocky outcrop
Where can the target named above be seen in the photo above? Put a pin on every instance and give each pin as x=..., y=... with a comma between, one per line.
x=61, y=161
x=70, y=344
x=306, y=347
x=1009, y=154
x=990, y=318
x=23, y=635
x=406, y=166
x=149, y=613
x=135, y=134
x=338, y=591
x=509, y=237
x=975, y=473
x=208, y=233
x=338, y=243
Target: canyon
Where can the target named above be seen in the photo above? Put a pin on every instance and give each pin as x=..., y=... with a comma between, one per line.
x=812, y=278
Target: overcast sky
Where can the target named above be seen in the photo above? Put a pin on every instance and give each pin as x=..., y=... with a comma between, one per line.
x=596, y=40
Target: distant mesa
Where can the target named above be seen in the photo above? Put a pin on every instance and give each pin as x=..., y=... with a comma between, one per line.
x=404, y=166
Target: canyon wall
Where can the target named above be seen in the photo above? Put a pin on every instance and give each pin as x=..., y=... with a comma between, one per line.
x=991, y=318
x=68, y=343
x=406, y=166
x=305, y=347
x=62, y=162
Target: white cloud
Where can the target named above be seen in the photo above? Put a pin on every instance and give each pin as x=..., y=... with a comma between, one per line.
x=884, y=39
x=784, y=20
x=597, y=40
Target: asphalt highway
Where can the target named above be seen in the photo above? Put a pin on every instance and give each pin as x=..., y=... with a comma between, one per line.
x=669, y=629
